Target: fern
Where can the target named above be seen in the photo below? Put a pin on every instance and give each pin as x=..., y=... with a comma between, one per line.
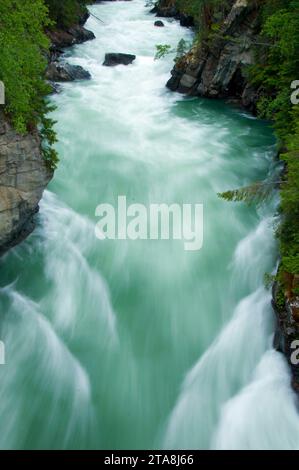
x=256, y=193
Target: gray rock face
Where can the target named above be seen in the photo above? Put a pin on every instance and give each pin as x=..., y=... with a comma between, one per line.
x=217, y=70
x=23, y=177
x=115, y=58
x=75, y=35
x=59, y=72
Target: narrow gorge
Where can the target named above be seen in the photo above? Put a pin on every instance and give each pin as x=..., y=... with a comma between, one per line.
x=140, y=344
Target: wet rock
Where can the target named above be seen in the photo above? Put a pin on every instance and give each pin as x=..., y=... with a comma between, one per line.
x=75, y=35
x=55, y=88
x=159, y=23
x=113, y=58
x=58, y=72
x=81, y=34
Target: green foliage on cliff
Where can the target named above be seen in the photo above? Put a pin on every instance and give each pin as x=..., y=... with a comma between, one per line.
x=276, y=69
x=67, y=12
x=278, y=64
x=182, y=48
x=23, y=46
x=289, y=229
x=206, y=13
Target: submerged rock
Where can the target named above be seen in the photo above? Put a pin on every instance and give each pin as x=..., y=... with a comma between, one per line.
x=57, y=72
x=115, y=58
x=159, y=23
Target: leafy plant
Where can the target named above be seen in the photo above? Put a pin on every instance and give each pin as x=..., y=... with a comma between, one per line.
x=162, y=50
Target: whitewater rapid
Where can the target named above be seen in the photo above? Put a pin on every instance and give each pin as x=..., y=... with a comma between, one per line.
x=140, y=344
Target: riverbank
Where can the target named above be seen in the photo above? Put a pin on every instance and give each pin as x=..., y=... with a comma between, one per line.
x=223, y=63
x=27, y=165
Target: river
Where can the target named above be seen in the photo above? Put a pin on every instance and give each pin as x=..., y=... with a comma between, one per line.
x=121, y=344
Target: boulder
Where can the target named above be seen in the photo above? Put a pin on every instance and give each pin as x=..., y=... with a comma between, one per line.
x=81, y=34
x=58, y=72
x=74, y=35
x=159, y=23
x=114, y=58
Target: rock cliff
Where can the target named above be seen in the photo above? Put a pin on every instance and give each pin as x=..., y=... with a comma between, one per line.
x=216, y=68
x=23, y=178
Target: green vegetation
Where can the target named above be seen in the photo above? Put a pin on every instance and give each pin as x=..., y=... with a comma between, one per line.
x=67, y=12
x=277, y=67
x=182, y=48
x=206, y=13
x=162, y=50
x=24, y=46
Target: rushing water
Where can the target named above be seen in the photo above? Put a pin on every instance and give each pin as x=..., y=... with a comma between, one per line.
x=140, y=344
